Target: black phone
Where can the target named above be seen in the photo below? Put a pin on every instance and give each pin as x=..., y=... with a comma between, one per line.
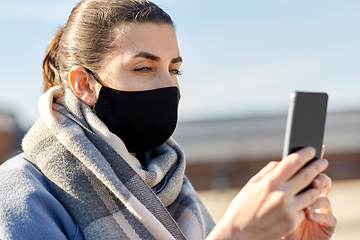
x=305, y=124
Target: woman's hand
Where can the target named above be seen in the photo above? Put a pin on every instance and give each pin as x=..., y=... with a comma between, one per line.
x=319, y=223
x=269, y=206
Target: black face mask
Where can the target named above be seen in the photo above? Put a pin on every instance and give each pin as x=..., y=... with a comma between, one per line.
x=143, y=120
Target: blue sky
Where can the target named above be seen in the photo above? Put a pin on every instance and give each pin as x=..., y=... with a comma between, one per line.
x=241, y=58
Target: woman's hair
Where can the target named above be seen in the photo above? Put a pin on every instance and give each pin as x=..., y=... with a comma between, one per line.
x=91, y=34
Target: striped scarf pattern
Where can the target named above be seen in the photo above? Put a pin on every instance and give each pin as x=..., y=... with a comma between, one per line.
x=105, y=189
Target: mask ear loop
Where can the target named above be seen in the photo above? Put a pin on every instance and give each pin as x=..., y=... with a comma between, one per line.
x=93, y=75
x=96, y=79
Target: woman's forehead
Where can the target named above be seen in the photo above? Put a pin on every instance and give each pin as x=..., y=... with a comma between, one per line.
x=157, y=39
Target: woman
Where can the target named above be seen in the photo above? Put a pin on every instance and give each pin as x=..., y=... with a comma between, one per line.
x=100, y=164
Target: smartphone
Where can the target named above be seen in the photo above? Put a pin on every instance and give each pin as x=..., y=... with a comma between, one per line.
x=305, y=123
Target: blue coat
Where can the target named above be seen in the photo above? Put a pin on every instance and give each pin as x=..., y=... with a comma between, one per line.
x=28, y=209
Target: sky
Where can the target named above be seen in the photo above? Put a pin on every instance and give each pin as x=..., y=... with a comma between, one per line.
x=241, y=58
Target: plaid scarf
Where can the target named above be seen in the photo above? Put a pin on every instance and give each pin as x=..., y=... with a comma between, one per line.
x=105, y=189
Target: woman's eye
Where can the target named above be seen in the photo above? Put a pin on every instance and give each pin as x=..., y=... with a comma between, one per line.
x=143, y=69
x=176, y=71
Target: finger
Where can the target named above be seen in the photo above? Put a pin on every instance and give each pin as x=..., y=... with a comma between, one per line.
x=328, y=187
x=270, y=166
x=321, y=205
x=322, y=181
x=322, y=151
x=307, y=198
x=326, y=191
x=325, y=218
x=290, y=165
x=306, y=176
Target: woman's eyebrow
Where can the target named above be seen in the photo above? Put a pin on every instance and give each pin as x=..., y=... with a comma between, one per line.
x=155, y=58
x=147, y=55
x=177, y=60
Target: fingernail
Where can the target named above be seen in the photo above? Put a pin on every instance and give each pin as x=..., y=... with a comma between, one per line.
x=313, y=150
x=324, y=161
x=317, y=182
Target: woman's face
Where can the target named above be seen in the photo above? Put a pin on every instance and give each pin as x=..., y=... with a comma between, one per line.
x=147, y=58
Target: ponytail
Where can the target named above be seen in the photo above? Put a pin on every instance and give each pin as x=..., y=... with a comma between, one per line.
x=50, y=67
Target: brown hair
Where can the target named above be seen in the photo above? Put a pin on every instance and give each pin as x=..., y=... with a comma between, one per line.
x=89, y=35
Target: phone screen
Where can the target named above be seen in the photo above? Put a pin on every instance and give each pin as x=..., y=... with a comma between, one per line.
x=306, y=122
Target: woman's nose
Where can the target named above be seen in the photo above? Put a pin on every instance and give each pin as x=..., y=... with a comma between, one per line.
x=168, y=80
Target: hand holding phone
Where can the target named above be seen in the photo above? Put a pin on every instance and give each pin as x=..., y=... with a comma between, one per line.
x=305, y=124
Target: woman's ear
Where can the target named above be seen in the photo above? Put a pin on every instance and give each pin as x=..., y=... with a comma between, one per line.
x=83, y=85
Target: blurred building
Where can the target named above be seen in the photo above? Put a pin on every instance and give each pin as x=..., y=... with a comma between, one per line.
x=10, y=136
x=226, y=153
